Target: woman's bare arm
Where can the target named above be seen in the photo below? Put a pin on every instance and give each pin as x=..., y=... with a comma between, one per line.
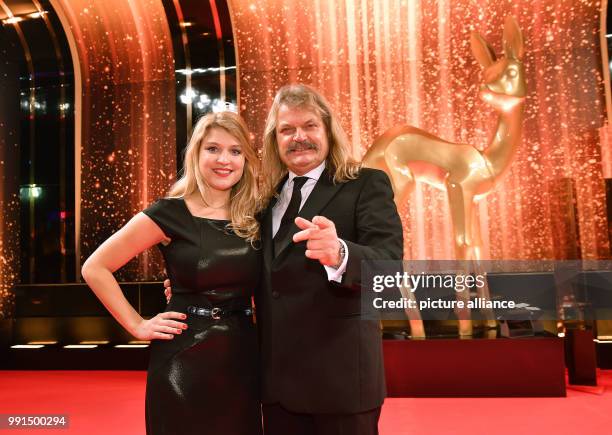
x=138, y=235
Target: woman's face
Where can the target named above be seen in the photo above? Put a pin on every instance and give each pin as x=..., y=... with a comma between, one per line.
x=221, y=159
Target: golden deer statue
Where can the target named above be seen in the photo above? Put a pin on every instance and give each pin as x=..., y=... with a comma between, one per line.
x=408, y=154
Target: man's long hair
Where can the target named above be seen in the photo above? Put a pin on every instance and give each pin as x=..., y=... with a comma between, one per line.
x=339, y=162
x=244, y=199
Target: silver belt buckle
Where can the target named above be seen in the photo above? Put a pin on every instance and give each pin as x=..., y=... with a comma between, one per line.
x=214, y=313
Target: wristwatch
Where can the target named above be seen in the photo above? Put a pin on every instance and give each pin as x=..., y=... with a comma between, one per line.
x=342, y=251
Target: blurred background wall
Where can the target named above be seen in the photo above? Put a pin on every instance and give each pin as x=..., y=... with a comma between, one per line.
x=99, y=99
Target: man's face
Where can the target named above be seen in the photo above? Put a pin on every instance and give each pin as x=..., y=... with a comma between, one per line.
x=301, y=138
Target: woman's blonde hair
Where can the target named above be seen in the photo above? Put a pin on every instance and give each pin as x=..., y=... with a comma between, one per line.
x=339, y=162
x=244, y=199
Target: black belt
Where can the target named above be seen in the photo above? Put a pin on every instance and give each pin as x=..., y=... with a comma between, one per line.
x=217, y=313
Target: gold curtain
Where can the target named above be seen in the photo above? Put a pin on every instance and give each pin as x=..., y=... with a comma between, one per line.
x=385, y=63
x=125, y=68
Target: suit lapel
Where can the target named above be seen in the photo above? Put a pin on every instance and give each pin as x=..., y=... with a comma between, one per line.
x=322, y=193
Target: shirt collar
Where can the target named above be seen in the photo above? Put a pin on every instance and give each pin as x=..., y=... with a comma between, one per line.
x=314, y=174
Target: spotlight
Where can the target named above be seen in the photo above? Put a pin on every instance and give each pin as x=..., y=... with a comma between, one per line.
x=204, y=99
x=30, y=191
x=37, y=14
x=12, y=20
x=222, y=106
x=131, y=346
x=190, y=71
x=80, y=346
x=188, y=96
x=20, y=18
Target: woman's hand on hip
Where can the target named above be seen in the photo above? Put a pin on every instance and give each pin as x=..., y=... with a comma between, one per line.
x=161, y=327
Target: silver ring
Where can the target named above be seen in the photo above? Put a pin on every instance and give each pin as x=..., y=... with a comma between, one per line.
x=214, y=313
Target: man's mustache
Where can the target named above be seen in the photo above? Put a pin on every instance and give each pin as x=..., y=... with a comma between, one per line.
x=301, y=146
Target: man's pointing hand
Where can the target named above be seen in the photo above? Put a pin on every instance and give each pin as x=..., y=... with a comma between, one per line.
x=322, y=242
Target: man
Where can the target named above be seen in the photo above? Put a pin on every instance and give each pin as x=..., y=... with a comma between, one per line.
x=322, y=363
x=322, y=366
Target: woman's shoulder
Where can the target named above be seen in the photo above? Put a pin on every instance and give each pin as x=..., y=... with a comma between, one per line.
x=165, y=207
x=166, y=203
x=167, y=213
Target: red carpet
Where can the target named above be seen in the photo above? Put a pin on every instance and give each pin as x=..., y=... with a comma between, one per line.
x=112, y=402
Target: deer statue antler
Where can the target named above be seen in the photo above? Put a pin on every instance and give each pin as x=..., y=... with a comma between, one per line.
x=408, y=154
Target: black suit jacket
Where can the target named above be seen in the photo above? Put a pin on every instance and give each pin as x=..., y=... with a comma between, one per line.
x=318, y=354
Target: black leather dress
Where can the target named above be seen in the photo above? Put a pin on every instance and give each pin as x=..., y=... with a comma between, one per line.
x=205, y=380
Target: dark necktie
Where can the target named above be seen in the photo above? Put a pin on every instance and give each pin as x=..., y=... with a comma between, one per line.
x=290, y=214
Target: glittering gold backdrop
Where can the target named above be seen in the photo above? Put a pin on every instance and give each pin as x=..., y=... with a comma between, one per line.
x=9, y=224
x=9, y=164
x=127, y=145
x=384, y=63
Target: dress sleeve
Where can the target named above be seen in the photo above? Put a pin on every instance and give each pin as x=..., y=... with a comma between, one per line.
x=165, y=214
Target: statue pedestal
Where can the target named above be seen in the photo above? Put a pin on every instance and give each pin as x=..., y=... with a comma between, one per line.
x=529, y=367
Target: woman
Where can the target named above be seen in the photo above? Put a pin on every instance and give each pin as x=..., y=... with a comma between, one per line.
x=203, y=374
